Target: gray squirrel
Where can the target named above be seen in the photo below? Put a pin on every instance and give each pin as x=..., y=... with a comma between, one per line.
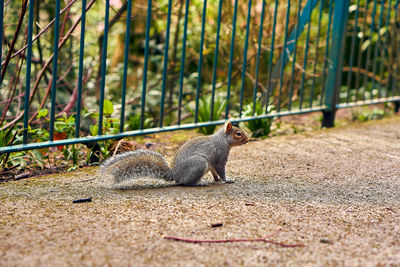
x=191, y=162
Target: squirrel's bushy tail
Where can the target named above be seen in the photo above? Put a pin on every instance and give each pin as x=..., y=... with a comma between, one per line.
x=137, y=164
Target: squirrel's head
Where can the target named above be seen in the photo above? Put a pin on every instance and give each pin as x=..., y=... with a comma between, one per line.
x=235, y=135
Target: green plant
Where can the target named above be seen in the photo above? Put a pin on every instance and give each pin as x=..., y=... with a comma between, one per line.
x=258, y=127
x=110, y=125
x=65, y=125
x=19, y=160
x=8, y=137
x=204, y=112
x=71, y=153
x=134, y=122
x=40, y=134
x=32, y=157
x=367, y=114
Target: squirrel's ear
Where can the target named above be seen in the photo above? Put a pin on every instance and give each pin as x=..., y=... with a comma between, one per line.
x=228, y=126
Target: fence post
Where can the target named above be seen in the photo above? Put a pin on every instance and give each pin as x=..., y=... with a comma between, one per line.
x=335, y=61
x=396, y=106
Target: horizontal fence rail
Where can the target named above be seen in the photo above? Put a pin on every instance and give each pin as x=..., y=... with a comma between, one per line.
x=88, y=71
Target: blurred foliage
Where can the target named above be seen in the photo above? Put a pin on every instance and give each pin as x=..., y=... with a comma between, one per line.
x=204, y=112
x=366, y=113
x=134, y=122
x=258, y=127
x=68, y=56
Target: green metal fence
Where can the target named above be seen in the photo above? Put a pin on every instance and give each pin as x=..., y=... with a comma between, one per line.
x=237, y=61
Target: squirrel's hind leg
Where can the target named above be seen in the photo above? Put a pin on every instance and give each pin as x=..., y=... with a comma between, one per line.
x=192, y=171
x=215, y=175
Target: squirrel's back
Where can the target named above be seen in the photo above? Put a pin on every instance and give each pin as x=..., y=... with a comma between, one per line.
x=136, y=164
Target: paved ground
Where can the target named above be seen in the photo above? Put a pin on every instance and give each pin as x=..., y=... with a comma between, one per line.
x=336, y=191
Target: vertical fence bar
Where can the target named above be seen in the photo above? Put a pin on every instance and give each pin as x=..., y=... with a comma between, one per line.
x=316, y=53
x=376, y=48
x=294, y=56
x=326, y=51
x=335, y=61
x=231, y=52
x=303, y=75
x=245, y=58
x=357, y=85
x=183, y=61
x=165, y=64
x=28, y=72
x=271, y=55
x=215, y=60
x=260, y=34
x=396, y=34
x=382, y=64
x=54, y=72
x=80, y=74
x=203, y=25
x=289, y=46
x=1, y=31
x=126, y=55
x=278, y=108
x=369, y=50
x=353, y=42
x=103, y=66
x=146, y=62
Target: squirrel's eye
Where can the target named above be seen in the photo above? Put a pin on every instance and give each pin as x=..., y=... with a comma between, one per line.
x=238, y=133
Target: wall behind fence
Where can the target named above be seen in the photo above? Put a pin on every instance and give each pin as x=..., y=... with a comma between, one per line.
x=110, y=69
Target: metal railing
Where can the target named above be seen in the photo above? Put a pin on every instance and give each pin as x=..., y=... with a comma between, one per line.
x=327, y=55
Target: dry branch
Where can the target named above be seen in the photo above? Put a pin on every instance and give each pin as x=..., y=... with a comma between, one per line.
x=14, y=40
x=41, y=73
x=365, y=72
x=264, y=239
x=42, y=31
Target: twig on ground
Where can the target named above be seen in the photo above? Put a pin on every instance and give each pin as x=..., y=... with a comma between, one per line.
x=82, y=200
x=116, y=147
x=264, y=239
x=87, y=180
x=23, y=175
x=218, y=224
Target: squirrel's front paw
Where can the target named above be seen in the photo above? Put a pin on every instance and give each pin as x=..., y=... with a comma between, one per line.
x=229, y=181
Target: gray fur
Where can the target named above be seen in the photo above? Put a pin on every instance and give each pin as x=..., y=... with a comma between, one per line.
x=136, y=164
x=200, y=155
x=191, y=162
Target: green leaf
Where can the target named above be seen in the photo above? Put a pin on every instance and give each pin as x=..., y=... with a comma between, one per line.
x=38, y=157
x=108, y=107
x=365, y=45
x=71, y=119
x=375, y=37
x=42, y=113
x=94, y=130
x=382, y=31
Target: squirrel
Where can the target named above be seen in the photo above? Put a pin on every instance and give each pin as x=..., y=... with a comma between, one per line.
x=191, y=162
